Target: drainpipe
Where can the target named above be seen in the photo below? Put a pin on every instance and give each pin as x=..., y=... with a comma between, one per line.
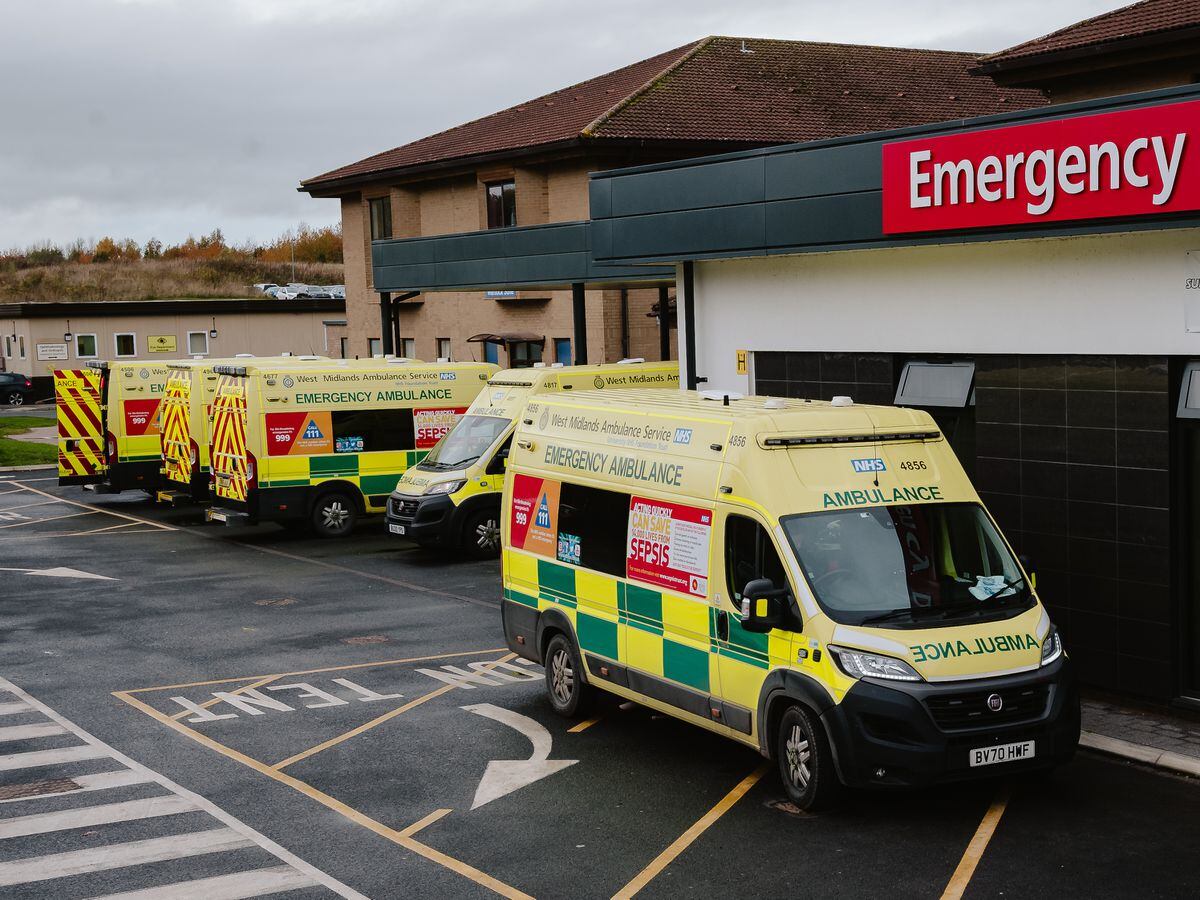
x=624, y=323
x=688, y=328
x=579, y=309
x=664, y=326
x=385, y=323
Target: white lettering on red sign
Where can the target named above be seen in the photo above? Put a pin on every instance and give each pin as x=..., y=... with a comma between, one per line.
x=668, y=545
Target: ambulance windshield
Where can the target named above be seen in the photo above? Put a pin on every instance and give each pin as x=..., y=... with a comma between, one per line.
x=926, y=564
x=464, y=443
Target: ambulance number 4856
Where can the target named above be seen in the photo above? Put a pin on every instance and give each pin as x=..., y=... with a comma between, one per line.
x=913, y=465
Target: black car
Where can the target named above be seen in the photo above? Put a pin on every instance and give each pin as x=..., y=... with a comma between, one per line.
x=15, y=388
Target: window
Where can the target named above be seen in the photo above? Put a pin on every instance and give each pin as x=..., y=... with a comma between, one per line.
x=935, y=384
x=443, y=348
x=749, y=554
x=562, y=351
x=408, y=348
x=344, y=347
x=501, y=204
x=126, y=344
x=468, y=440
x=370, y=430
x=1189, y=392
x=8, y=346
x=85, y=346
x=523, y=354
x=21, y=346
x=491, y=353
x=197, y=342
x=381, y=218
x=374, y=347
x=594, y=523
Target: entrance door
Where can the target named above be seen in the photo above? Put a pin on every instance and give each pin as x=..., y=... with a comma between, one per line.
x=1188, y=411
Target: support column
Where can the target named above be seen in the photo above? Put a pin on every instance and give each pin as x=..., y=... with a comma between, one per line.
x=386, y=316
x=579, y=308
x=687, y=329
x=664, y=326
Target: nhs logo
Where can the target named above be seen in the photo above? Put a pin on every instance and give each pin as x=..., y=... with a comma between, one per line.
x=683, y=435
x=868, y=465
x=448, y=376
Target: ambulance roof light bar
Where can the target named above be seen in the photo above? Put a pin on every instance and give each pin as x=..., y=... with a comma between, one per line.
x=842, y=439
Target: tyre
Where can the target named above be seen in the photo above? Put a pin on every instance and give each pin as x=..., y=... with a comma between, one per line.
x=805, y=761
x=15, y=398
x=569, y=696
x=334, y=515
x=481, y=534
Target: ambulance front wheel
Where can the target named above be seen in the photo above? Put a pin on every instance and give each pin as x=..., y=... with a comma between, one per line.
x=564, y=677
x=805, y=760
x=481, y=535
x=334, y=515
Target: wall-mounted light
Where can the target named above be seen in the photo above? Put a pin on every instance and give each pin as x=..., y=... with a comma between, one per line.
x=67, y=334
x=212, y=332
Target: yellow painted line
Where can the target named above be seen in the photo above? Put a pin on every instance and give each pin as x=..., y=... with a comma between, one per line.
x=215, y=700
x=974, y=852
x=686, y=839
x=88, y=506
x=583, y=726
x=379, y=720
x=425, y=822
x=349, y=812
x=40, y=521
x=366, y=665
x=106, y=528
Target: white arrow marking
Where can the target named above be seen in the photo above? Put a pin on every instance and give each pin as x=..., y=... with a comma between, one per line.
x=60, y=572
x=503, y=776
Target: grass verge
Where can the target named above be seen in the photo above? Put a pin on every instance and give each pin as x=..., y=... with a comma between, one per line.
x=23, y=453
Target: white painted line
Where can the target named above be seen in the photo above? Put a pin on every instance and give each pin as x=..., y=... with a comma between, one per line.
x=257, y=883
x=128, y=811
x=49, y=757
x=118, y=856
x=25, y=732
x=239, y=827
x=11, y=709
x=97, y=782
x=93, y=509
x=8, y=509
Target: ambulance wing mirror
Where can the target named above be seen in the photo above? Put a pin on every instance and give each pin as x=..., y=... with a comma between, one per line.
x=1030, y=568
x=763, y=606
x=499, y=461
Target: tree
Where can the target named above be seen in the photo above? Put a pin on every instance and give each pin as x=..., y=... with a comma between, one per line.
x=153, y=249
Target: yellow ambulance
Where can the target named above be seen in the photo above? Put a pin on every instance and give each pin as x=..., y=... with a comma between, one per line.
x=451, y=499
x=325, y=443
x=109, y=419
x=186, y=423
x=817, y=580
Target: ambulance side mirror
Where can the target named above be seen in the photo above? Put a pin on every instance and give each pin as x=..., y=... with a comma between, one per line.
x=763, y=606
x=1030, y=568
x=499, y=462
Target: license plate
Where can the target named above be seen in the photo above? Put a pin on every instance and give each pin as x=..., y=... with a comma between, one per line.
x=1001, y=753
x=396, y=529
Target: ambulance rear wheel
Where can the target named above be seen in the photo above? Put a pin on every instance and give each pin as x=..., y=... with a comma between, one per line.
x=564, y=677
x=805, y=761
x=334, y=515
x=481, y=536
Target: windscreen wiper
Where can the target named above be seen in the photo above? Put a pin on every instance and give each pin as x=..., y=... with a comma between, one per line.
x=889, y=616
x=1008, y=586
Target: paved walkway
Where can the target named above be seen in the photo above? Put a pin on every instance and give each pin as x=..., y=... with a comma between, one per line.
x=1164, y=741
x=47, y=435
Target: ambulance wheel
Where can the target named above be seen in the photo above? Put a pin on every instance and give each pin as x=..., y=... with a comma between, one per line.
x=16, y=399
x=334, y=515
x=805, y=761
x=481, y=536
x=564, y=677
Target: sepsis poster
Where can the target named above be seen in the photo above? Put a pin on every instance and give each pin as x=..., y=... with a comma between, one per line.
x=668, y=545
x=432, y=424
x=534, y=524
x=299, y=433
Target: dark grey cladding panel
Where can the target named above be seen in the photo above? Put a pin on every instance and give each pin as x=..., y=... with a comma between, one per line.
x=685, y=233
x=399, y=278
x=571, y=237
x=402, y=252
x=836, y=219
x=720, y=183
x=824, y=170
x=600, y=198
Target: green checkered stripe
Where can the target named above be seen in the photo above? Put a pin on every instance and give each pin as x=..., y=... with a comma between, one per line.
x=346, y=465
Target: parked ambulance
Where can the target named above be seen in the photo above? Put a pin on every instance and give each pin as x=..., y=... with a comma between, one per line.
x=325, y=443
x=109, y=419
x=451, y=499
x=817, y=580
x=187, y=419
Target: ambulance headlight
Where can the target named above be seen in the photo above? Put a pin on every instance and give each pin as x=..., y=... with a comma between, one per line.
x=860, y=664
x=1052, y=646
x=446, y=487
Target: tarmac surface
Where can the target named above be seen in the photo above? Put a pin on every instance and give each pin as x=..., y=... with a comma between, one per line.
x=243, y=711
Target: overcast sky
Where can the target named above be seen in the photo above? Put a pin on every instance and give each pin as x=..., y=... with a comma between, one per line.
x=163, y=118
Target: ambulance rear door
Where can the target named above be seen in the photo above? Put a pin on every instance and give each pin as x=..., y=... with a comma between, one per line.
x=78, y=397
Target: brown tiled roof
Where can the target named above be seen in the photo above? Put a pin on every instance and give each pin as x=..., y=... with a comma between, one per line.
x=724, y=89
x=1138, y=19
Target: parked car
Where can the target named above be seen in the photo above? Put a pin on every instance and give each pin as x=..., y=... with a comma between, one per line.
x=286, y=293
x=265, y=287
x=15, y=388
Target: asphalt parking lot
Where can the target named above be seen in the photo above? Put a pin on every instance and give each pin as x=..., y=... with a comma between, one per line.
x=343, y=719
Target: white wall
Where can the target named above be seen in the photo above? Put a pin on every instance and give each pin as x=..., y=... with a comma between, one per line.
x=1106, y=294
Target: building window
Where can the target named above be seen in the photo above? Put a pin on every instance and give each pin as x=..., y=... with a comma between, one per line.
x=408, y=348
x=523, y=354
x=21, y=346
x=343, y=344
x=197, y=342
x=85, y=346
x=374, y=347
x=381, y=218
x=8, y=346
x=562, y=351
x=443, y=351
x=491, y=353
x=126, y=344
x=501, y=204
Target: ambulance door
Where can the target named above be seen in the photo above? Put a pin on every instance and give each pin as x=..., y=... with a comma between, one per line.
x=77, y=398
x=745, y=658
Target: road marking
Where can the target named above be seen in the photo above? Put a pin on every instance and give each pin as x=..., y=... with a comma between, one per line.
x=25, y=732
x=215, y=700
x=11, y=709
x=583, y=726
x=117, y=856
x=108, y=813
x=686, y=839
x=34, y=758
x=40, y=521
x=503, y=776
x=256, y=883
x=379, y=720
x=7, y=516
x=9, y=509
x=106, y=528
x=95, y=509
x=425, y=822
x=974, y=852
x=97, y=782
x=60, y=572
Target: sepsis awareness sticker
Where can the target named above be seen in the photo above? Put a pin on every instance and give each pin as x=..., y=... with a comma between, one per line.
x=668, y=545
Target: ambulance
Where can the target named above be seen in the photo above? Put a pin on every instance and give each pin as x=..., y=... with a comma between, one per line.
x=186, y=423
x=816, y=580
x=109, y=419
x=325, y=443
x=451, y=499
